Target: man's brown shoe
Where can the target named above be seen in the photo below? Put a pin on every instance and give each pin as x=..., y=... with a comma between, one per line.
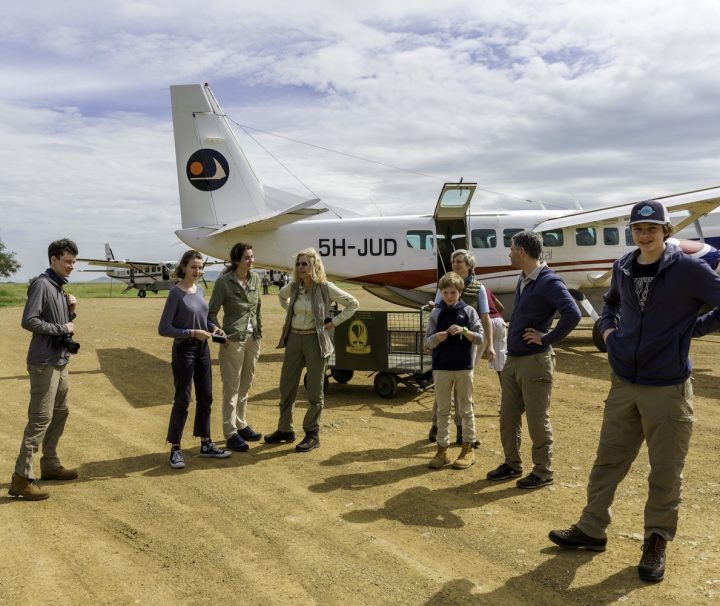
x=27, y=489
x=60, y=473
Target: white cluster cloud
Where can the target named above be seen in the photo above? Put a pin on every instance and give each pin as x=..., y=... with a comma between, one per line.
x=560, y=101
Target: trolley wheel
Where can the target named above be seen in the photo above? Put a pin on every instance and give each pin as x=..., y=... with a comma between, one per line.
x=597, y=337
x=326, y=382
x=386, y=385
x=341, y=375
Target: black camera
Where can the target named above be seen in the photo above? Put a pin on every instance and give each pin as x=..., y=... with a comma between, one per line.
x=68, y=343
x=219, y=339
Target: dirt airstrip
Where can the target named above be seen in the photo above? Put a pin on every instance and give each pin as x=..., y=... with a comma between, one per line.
x=362, y=520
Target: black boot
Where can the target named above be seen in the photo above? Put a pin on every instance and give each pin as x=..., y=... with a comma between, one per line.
x=652, y=563
x=311, y=441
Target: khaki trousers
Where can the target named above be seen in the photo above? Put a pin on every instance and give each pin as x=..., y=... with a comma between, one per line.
x=526, y=388
x=47, y=414
x=302, y=351
x=461, y=383
x=663, y=418
x=237, y=371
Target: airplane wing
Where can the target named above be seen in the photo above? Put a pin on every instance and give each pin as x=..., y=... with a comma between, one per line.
x=118, y=263
x=695, y=204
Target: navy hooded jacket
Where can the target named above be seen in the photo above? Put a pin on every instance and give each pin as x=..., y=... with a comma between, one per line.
x=651, y=347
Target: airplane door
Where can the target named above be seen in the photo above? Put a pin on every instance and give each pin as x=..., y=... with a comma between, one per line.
x=451, y=222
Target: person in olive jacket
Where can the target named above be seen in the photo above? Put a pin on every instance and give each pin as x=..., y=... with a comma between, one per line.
x=237, y=292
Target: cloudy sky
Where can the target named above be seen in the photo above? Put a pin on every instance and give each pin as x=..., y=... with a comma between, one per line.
x=560, y=101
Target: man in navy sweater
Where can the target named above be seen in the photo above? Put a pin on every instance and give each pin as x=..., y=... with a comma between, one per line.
x=527, y=376
x=649, y=318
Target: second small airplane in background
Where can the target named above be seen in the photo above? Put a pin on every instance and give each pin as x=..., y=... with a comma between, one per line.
x=152, y=276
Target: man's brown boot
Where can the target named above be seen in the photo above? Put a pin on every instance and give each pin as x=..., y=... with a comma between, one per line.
x=59, y=473
x=440, y=459
x=27, y=489
x=466, y=458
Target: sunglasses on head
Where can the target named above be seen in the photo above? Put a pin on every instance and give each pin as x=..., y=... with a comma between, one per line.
x=302, y=264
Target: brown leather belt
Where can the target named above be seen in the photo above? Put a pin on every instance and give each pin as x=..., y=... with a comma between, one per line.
x=303, y=332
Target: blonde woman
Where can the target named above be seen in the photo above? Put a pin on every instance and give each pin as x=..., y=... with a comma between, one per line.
x=307, y=339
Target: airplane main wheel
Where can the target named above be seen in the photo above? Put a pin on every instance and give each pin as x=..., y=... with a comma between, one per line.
x=141, y=294
x=597, y=337
x=341, y=375
x=326, y=382
x=386, y=385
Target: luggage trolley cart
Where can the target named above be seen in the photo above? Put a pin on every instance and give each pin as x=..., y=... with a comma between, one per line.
x=388, y=343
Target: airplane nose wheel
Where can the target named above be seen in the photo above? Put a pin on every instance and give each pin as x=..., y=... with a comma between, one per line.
x=141, y=294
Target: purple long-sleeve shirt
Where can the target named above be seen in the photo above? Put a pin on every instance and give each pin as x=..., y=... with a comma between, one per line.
x=183, y=313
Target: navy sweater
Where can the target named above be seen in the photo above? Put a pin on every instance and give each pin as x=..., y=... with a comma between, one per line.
x=456, y=352
x=651, y=347
x=536, y=307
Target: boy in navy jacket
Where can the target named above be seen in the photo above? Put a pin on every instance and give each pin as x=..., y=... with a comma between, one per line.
x=453, y=329
x=649, y=318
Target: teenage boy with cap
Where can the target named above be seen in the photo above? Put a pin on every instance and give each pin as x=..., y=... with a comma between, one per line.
x=649, y=317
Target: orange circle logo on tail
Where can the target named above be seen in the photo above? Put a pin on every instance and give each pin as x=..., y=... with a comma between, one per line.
x=207, y=170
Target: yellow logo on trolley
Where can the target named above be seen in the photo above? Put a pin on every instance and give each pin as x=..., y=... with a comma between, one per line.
x=358, y=338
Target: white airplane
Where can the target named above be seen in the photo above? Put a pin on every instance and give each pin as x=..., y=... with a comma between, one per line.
x=397, y=258
x=146, y=276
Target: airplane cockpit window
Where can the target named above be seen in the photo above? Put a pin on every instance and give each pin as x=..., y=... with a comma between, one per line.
x=509, y=233
x=553, y=237
x=628, y=237
x=483, y=238
x=586, y=236
x=611, y=236
x=419, y=239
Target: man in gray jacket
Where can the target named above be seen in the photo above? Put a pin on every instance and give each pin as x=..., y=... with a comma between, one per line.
x=48, y=314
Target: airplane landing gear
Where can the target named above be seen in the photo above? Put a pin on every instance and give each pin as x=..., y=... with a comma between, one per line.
x=141, y=294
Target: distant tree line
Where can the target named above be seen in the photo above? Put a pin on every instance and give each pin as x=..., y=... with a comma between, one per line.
x=8, y=263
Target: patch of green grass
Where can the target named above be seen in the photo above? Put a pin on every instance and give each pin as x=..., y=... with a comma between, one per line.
x=15, y=294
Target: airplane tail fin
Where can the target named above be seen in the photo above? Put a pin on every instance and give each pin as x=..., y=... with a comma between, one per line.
x=217, y=185
x=108, y=252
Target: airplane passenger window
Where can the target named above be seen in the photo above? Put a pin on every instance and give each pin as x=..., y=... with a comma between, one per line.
x=628, y=237
x=586, y=236
x=611, y=236
x=508, y=234
x=420, y=239
x=483, y=238
x=553, y=237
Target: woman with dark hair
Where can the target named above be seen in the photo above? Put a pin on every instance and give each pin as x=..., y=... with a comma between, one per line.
x=184, y=318
x=237, y=292
x=307, y=339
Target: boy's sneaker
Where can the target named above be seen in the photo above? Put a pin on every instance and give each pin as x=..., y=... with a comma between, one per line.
x=208, y=449
x=176, y=459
